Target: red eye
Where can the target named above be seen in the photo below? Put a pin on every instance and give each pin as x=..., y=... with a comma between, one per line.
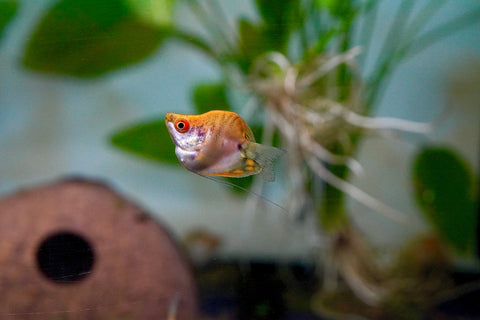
x=182, y=125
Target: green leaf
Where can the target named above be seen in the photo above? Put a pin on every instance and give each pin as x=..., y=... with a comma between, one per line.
x=89, y=38
x=280, y=20
x=257, y=131
x=446, y=192
x=323, y=41
x=251, y=43
x=210, y=96
x=148, y=139
x=8, y=8
x=154, y=12
x=285, y=13
x=343, y=9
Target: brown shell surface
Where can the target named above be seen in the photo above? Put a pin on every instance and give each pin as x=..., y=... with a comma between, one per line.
x=137, y=271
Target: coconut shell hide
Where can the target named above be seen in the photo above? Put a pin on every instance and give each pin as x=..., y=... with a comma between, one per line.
x=77, y=250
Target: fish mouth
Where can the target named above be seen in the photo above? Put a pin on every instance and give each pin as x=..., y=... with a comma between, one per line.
x=169, y=120
x=171, y=129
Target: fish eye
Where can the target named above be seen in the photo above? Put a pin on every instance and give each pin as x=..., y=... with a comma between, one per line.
x=182, y=125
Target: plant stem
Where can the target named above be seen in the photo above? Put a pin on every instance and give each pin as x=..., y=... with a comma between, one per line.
x=196, y=42
x=395, y=33
x=388, y=53
x=370, y=10
x=211, y=27
x=343, y=76
x=423, y=17
x=221, y=20
x=448, y=28
x=380, y=78
x=332, y=210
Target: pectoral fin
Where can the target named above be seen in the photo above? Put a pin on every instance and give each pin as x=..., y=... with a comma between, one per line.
x=264, y=157
x=245, y=167
x=252, y=159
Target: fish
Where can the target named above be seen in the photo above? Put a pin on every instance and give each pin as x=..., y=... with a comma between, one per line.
x=220, y=143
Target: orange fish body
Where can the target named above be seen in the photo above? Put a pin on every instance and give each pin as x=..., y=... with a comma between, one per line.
x=219, y=143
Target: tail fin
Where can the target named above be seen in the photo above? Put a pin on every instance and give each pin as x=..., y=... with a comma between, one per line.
x=265, y=156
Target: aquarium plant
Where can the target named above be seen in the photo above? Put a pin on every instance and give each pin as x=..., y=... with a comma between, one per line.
x=300, y=64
